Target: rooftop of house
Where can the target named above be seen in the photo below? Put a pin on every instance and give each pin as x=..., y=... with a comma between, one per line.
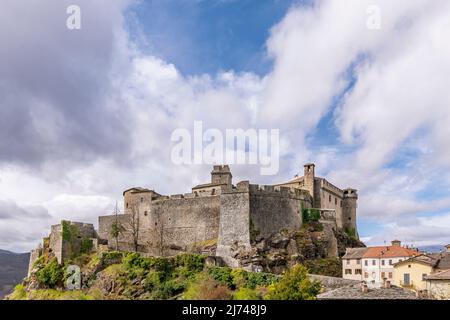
x=355, y=292
x=423, y=258
x=442, y=275
x=443, y=260
x=390, y=252
x=354, y=253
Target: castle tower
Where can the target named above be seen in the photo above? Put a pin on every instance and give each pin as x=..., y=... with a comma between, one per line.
x=309, y=178
x=349, y=206
x=221, y=175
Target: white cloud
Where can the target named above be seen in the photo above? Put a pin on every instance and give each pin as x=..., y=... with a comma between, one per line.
x=87, y=154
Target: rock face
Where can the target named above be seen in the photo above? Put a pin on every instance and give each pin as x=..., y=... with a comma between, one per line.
x=279, y=251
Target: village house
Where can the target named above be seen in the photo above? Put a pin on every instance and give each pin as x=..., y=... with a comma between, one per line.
x=426, y=272
x=376, y=263
x=438, y=285
x=352, y=263
x=411, y=272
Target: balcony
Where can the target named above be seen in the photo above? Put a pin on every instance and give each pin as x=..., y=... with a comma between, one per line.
x=407, y=284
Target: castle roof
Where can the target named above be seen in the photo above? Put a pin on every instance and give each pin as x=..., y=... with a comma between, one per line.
x=294, y=180
x=389, y=252
x=137, y=190
x=206, y=185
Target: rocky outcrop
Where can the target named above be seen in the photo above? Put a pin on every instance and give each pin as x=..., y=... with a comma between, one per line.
x=315, y=241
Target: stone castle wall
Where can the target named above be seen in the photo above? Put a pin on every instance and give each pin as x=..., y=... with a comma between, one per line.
x=167, y=225
x=274, y=209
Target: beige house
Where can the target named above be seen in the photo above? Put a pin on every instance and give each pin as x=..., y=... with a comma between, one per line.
x=426, y=273
x=411, y=273
x=351, y=263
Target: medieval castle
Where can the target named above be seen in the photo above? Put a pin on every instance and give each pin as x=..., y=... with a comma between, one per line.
x=218, y=212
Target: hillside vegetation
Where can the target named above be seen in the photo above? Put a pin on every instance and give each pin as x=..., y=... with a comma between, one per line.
x=118, y=275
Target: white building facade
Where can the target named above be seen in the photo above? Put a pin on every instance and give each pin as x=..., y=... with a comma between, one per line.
x=374, y=265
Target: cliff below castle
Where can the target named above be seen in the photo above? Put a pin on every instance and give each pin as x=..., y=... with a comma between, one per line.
x=123, y=275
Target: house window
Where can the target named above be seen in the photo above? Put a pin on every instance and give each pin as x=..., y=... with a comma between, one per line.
x=358, y=261
x=142, y=199
x=374, y=262
x=348, y=261
x=365, y=263
x=358, y=271
x=409, y=266
x=390, y=275
x=390, y=262
x=145, y=213
x=348, y=271
x=127, y=204
x=366, y=275
x=382, y=262
x=383, y=275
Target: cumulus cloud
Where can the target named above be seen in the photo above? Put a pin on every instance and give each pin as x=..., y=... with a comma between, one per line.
x=86, y=114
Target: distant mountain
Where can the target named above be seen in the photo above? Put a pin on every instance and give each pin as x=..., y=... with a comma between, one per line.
x=432, y=249
x=13, y=268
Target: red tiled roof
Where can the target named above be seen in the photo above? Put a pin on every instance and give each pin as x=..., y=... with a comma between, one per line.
x=389, y=252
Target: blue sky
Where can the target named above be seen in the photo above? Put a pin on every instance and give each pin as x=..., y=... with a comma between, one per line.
x=209, y=36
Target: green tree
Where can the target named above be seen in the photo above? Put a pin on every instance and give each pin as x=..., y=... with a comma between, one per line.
x=51, y=274
x=294, y=285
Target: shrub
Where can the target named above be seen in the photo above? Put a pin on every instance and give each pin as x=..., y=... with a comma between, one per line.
x=246, y=294
x=222, y=274
x=262, y=279
x=351, y=232
x=204, y=287
x=193, y=262
x=325, y=266
x=51, y=274
x=152, y=280
x=310, y=215
x=86, y=246
x=240, y=277
x=294, y=285
x=170, y=288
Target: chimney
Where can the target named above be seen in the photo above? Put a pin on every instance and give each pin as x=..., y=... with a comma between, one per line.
x=364, y=287
x=396, y=243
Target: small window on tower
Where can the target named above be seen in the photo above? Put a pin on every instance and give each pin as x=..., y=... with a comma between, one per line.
x=142, y=199
x=329, y=198
x=335, y=201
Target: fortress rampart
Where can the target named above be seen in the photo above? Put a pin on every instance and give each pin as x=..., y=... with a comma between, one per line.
x=228, y=216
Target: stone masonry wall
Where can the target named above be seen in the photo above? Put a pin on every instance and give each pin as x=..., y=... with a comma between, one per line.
x=168, y=225
x=272, y=210
x=234, y=231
